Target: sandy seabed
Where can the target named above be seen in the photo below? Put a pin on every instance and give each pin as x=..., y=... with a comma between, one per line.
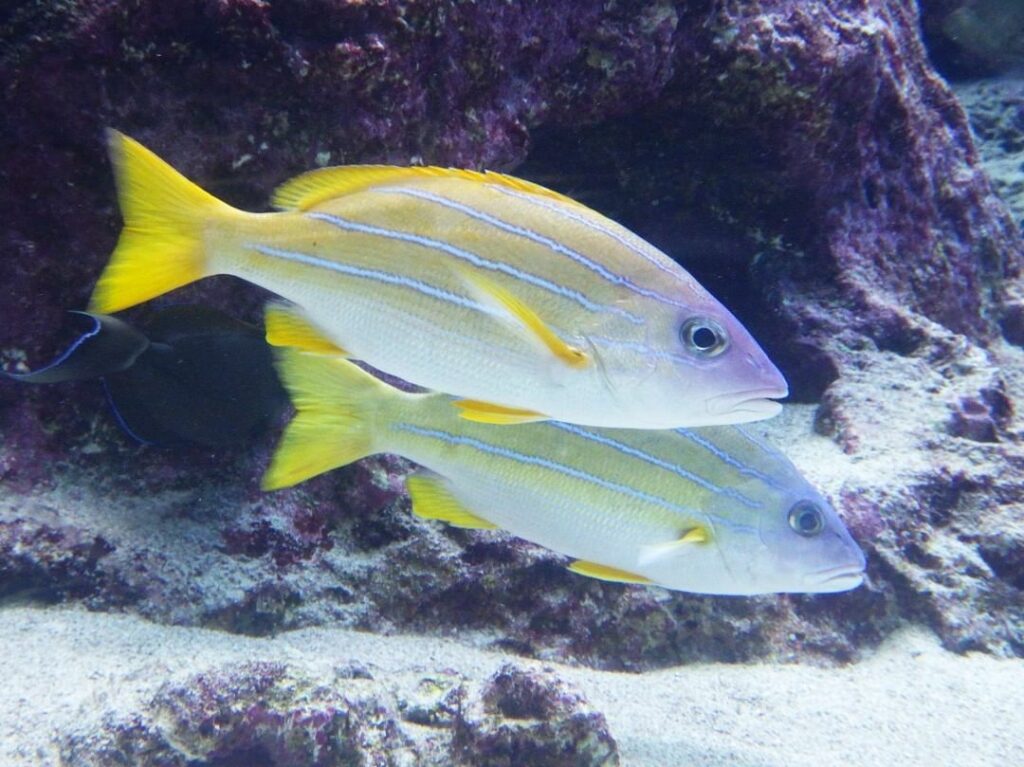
x=65, y=671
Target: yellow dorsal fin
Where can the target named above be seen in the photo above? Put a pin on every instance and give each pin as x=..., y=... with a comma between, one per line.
x=288, y=325
x=606, y=573
x=432, y=499
x=693, y=536
x=526, y=318
x=487, y=412
x=310, y=189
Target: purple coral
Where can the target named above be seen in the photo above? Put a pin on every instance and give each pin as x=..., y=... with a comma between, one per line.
x=532, y=718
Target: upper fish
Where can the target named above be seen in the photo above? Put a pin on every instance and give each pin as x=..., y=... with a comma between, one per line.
x=711, y=510
x=524, y=303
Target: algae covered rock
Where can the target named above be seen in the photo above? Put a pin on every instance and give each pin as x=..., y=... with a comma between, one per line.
x=525, y=717
x=270, y=714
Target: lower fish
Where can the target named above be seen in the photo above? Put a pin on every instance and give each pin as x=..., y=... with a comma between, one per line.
x=711, y=510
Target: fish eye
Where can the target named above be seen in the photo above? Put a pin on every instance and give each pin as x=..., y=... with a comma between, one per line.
x=806, y=519
x=703, y=336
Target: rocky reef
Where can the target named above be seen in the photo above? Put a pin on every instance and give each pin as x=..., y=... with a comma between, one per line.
x=267, y=713
x=804, y=160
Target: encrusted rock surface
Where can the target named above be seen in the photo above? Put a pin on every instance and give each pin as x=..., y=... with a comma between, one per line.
x=271, y=714
x=996, y=110
x=88, y=688
x=844, y=215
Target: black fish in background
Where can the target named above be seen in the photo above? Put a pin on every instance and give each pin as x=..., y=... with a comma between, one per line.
x=190, y=374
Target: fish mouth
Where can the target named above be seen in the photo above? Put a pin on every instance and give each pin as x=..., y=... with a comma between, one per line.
x=749, y=405
x=841, y=578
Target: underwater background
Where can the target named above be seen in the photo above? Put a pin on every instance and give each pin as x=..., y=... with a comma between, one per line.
x=847, y=176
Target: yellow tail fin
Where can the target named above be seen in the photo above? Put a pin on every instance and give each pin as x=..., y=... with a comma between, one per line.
x=160, y=246
x=336, y=404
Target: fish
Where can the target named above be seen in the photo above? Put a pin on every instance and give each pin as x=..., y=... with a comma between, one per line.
x=523, y=303
x=191, y=374
x=712, y=510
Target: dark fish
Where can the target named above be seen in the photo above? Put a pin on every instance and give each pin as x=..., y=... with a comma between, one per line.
x=191, y=374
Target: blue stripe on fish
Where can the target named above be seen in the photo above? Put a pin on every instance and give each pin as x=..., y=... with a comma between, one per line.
x=728, y=459
x=533, y=460
x=540, y=239
x=755, y=441
x=371, y=274
x=465, y=255
x=645, y=349
x=655, y=461
x=565, y=212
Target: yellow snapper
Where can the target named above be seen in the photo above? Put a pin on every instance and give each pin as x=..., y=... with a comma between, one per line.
x=712, y=510
x=520, y=300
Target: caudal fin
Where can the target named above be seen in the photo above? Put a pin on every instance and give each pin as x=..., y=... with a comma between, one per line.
x=160, y=246
x=336, y=404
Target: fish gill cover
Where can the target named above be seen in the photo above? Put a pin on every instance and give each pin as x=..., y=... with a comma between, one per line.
x=803, y=160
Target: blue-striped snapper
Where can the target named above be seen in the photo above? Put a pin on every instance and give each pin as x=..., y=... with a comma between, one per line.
x=711, y=510
x=523, y=302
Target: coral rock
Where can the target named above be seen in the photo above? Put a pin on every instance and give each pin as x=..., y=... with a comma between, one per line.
x=532, y=718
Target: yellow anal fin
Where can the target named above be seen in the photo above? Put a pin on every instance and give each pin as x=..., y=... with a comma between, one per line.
x=691, y=537
x=432, y=499
x=606, y=573
x=487, y=412
x=316, y=186
x=492, y=293
x=287, y=325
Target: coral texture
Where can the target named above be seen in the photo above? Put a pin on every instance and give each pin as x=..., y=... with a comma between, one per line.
x=803, y=159
x=268, y=714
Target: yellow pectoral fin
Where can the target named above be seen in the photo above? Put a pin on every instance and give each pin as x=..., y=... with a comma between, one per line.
x=526, y=318
x=691, y=537
x=487, y=412
x=432, y=499
x=606, y=573
x=696, y=535
x=287, y=325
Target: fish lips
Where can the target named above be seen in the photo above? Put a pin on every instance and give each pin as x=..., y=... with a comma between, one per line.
x=748, y=405
x=841, y=578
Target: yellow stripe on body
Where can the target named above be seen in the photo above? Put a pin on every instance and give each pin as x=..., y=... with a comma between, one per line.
x=660, y=475
x=529, y=227
x=310, y=189
x=523, y=446
x=384, y=244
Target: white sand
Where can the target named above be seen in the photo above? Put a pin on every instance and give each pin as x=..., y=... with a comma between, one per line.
x=64, y=669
